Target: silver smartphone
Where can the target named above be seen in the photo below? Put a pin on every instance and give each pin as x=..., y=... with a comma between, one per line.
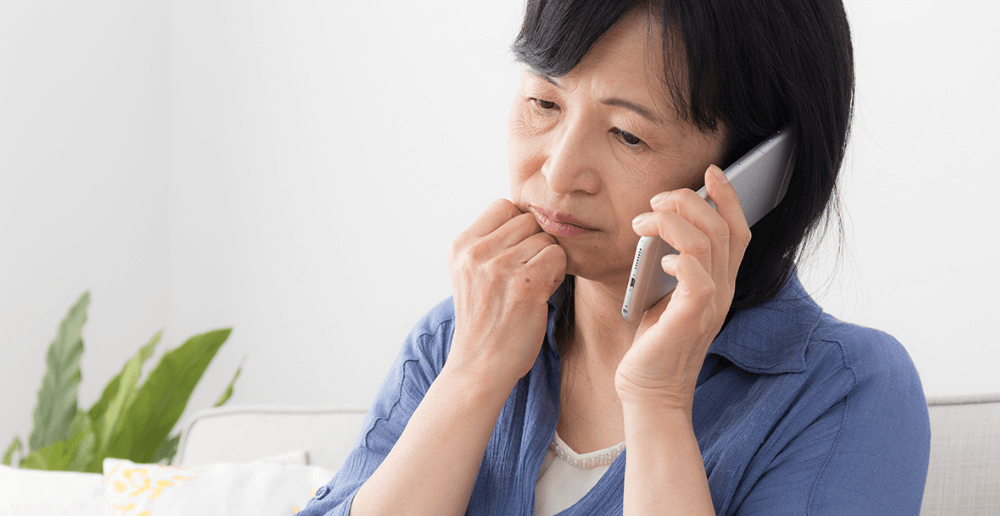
x=760, y=178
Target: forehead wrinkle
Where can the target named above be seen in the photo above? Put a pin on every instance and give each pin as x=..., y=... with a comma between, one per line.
x=656, y=67
x=619, y=59
x=643, y=29
x=664, y=59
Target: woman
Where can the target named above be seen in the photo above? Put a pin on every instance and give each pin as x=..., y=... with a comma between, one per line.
x=528, y=393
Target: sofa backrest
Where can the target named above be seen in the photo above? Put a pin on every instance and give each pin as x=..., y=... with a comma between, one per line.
x=963, y=477
x=964, y=473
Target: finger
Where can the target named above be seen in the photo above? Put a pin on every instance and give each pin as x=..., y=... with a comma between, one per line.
x=722, y=193
x=679, y=229
x=494, y=216
x=549, y=264
x=703, y=216
x=695, y=287
x=498, y=213
x=529, y=247
x=687, y=302
x=513, y=232
x=503, y=238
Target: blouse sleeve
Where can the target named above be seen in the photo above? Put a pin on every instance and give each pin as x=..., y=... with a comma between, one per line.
x=868, y=452
x=415, y=368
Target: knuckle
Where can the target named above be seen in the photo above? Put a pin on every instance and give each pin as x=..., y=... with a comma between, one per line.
x=526, y=220
x=687, y=195
x=476, y=252
x=680, y=201
x=546, y=238
x=557, y=249
x=705, y=289
x=537, y=239
x=676, y=197
x=719, y=229
x=457, y=250
x=701, y=245
x=492, y=268
x=552, y=263
x=498, y=211
x=500, y=204
x=507, y=208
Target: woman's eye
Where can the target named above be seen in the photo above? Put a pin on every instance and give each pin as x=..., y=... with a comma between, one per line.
x=630, y=139
x=544, y=104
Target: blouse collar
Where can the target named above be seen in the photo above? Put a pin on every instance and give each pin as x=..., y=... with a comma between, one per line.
x=771, y=338
x=766, y=339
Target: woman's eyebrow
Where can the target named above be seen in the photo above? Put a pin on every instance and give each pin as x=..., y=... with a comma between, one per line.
x=614, y=101
x=641, y=110
x=546, y=77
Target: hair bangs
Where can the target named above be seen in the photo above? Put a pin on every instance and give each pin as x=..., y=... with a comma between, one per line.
x=557, y=35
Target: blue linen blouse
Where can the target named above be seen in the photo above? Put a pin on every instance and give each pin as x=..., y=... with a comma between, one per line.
x=795, y=413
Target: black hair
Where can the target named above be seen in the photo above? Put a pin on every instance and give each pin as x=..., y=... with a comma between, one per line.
x=752, y=66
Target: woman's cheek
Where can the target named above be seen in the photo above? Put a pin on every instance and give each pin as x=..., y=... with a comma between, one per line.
x=519, y=150
x=535, y=120
x=527, y=135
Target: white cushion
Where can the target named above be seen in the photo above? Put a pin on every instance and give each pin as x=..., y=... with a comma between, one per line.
x=50, y=493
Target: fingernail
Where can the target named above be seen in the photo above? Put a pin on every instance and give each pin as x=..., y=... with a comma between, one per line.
x=640, y=217
x=717, y=172
x=658, y=198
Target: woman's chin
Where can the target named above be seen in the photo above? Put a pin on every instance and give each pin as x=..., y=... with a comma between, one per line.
x=590, y=270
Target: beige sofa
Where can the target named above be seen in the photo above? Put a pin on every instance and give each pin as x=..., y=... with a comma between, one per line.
x=964, y=475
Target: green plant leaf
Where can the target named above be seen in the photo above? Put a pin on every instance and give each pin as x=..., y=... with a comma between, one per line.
x=118, y=395
x=56, y=406
x=73, y=454
x=229, y=389
x=53, y=457
x=82, y=444
x=15, y=447
x=167, y=450
x=98, y=408
x=162, y=398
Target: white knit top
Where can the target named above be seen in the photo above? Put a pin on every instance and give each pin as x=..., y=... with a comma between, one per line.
x=566, y=476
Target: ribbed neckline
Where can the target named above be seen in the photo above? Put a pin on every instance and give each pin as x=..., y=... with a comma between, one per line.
x=594, y=459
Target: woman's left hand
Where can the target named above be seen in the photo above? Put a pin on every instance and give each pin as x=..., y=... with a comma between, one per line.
x=662, y=366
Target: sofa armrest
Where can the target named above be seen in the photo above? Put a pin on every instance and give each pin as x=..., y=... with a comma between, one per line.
x=249, y=432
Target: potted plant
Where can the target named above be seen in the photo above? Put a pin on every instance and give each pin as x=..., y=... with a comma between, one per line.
x=129, y=421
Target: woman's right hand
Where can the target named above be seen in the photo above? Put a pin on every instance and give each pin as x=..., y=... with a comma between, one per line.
x=503, y=271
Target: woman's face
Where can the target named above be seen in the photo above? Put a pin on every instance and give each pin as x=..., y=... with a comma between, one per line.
x=588, y=150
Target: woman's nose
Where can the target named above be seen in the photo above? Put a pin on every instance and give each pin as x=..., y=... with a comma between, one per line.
x=570, y=165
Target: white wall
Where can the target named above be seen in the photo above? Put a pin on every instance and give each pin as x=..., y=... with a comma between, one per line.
x=84, y=149
x=296, y=170
x=323, y=158
x=918, y=187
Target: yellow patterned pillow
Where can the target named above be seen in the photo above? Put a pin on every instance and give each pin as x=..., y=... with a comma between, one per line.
x=218, y=489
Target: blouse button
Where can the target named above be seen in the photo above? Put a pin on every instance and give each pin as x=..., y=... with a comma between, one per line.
x=321, y=492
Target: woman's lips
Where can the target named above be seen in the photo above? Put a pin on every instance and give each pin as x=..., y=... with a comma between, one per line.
x=558, y=224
